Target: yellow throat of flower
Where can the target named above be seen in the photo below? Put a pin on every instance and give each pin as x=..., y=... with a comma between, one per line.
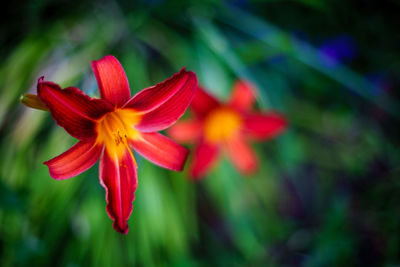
x=221, y=124
x=115, y=129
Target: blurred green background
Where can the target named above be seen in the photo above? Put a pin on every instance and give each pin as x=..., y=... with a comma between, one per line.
x=327, y=192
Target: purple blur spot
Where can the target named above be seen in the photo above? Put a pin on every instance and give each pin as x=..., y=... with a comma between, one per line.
x=336, y=50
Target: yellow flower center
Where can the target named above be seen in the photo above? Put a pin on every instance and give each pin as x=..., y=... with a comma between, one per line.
x=115, y=129
x=221, y=124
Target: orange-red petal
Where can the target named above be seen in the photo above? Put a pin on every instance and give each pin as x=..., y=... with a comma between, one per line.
x=72, y=109
x=243, y=95
x=163, y=104
x=241, y=155
x=118, y=176
x=203, y=102
x=112, y=81
x=75, y=160
x=205, y=155
x=186, y=131
x=264, y=125
x=160, y=150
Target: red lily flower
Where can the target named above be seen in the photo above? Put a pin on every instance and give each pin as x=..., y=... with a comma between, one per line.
x=226, y=127
x=108, y=127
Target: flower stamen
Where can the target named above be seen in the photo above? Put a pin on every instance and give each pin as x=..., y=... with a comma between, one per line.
x=115, y=129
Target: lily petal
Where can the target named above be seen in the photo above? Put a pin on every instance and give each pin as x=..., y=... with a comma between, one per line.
x=112, y=81
x=75, y=160
x=33, y=101
x=243, y=95
x=72, y=109
x=203, y=102
x=205, y=155
x=264, y=125
x=160, y=150
x=151, y=98
x=118, y=176
x=186, y=131
x=167, y=111
x=241, y=155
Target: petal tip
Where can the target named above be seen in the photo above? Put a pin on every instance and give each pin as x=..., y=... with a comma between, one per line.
x=264, y=126
x=39, y=83
x=33, y=101
x=252, y=169
x=185, y=153
x=196, y=176
x=54, y=175
x=183, y=70
x=105, y=57
x=122, y=230
x=282, y=123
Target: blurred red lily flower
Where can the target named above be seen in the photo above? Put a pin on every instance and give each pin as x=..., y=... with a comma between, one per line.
x=226, y=127
x=108, y=127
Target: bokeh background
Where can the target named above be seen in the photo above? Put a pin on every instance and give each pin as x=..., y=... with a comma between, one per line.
x=328, y=189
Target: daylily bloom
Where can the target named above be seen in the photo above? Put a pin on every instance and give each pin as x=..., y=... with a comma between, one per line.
x=108, y=127
x=218, y=127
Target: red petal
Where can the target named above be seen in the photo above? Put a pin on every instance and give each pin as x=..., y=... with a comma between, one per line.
x=151, y=98
x=205, y=154
x=161, y=150
x=243, y=95
x=186, y=131
x=164, y=103
x=241, y=155
x=72, y=109
x=74, y=161
x=203, y=102
x=264, y=126
x=112, y=81
x=119, y=178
